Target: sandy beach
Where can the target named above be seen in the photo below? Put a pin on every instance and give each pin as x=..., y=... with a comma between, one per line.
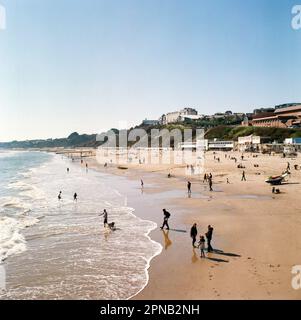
x=256, y=237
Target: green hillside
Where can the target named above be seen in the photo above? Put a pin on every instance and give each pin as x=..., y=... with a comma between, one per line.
x=232, y=133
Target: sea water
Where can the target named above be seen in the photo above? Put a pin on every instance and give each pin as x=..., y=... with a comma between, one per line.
x=51, y=249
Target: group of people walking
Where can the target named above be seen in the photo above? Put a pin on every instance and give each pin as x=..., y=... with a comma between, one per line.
x=202, y=242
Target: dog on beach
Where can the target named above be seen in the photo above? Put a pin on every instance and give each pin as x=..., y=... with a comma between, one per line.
x=111, y=226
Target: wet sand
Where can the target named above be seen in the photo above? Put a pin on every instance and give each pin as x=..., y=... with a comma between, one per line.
x=256, y=233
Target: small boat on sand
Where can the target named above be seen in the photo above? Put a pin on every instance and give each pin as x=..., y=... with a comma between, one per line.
x=276, y=180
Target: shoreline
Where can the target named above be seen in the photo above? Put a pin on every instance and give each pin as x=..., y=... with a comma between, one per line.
x=41, y=242
x=253, y=228
x=262, y=271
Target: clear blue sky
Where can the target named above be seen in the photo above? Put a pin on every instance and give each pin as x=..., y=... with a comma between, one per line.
x=84, y=65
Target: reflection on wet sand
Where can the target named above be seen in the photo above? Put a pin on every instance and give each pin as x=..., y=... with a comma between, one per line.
x=167, y=241
x=194, y=257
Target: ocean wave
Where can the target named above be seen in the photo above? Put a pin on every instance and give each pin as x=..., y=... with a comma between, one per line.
x=34, y=193
x=73, y=236
x=13, y=202
x=12, y=242
x=19, y=185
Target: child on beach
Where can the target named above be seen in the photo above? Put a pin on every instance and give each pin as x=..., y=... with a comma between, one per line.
x=202, y=246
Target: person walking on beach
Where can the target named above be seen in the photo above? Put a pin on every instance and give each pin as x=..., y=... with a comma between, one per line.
x=210, y=184
x=67, y=170
x=60, y=196
x=142, y=184
x=288, y=168
x=205, y=178
x=189, y=187
x=75, y=197
x=202, y=246
x=209, y=234
x=165, y=219
x=243, y=176
x=193, y=234
x=105, y=217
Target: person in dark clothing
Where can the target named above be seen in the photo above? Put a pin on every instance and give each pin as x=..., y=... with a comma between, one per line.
x=75, y=196
x=209, y=234
x=105, y=217
x=210, y=184
x=67, y=170
x=193, y=233
x=243, y=177
x=189, y=186
x=165, y=220
x=205, y=178
x=60, y=195
x=288, y=168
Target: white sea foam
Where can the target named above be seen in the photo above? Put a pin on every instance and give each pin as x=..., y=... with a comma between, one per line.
x=72, y=239
x=13, y=202
x=34, y=193
x=11, y=240
x=19, y=185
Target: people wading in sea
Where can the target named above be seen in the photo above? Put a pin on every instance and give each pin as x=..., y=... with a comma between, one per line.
x=105, y=217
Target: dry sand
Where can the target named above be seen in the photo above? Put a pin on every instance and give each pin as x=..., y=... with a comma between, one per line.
x=256, y=232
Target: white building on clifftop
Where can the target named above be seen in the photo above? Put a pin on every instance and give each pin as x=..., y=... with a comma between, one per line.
x=177, y=116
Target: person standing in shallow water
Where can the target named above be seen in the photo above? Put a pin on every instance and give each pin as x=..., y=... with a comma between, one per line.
x=60, y=196
x=193, y=234
x=165, y=219
x=75, y=196
x=105, y=217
